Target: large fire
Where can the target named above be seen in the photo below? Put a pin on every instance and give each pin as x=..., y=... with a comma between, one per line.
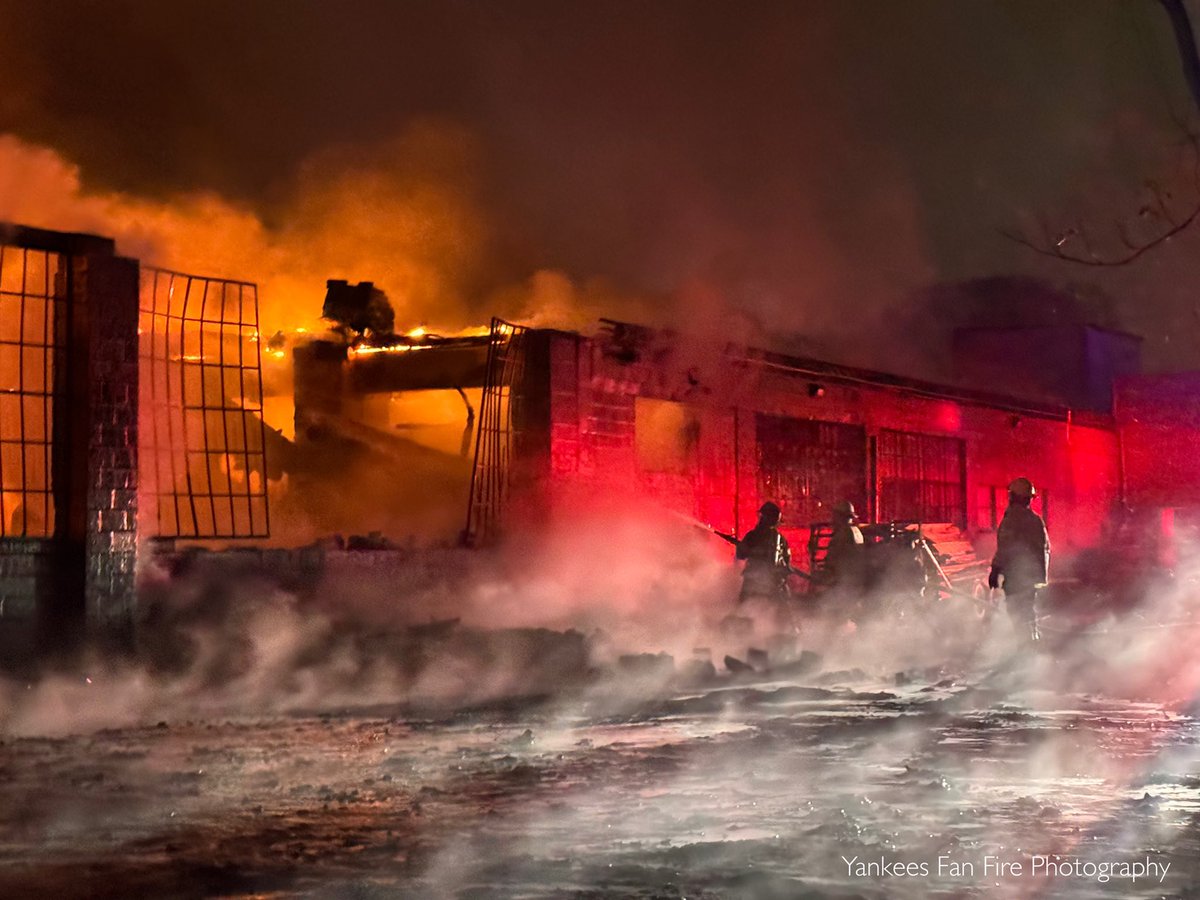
x=423, y=236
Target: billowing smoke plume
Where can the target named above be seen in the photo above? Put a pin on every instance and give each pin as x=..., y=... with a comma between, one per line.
x=412, y=214
x=795, y=160
x=404, y=214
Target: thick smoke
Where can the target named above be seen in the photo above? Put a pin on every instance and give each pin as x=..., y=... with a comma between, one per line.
x=403, y=214
x=412, y=214
x=794, y=159
x=513, y=198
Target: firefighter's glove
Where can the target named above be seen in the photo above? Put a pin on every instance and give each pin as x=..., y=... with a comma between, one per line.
x=993, y=579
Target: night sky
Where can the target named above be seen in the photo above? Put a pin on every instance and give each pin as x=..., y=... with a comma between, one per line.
x=813, y=166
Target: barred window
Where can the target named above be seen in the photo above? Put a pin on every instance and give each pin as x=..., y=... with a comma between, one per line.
x=921, y=478
x=807, y=466
x=32, y=305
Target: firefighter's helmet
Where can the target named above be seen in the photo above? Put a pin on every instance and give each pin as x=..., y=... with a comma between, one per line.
x=770, y=510
x=844, y=508
x=1022, y=488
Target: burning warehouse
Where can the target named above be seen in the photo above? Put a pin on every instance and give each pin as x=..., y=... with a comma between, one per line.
x=134, y=427
x=709, y=430
x=519, y=428
x=539, y=449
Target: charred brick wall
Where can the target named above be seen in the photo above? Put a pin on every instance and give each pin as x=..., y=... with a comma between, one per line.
x=592, y=455
x=320, y=387
x=27, y=575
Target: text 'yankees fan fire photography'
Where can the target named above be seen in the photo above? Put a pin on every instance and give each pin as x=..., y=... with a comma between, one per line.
x=624, y=449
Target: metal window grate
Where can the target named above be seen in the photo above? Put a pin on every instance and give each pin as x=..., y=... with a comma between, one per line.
x=921, y=478
x=807, y=466
x=32, y=304
x=203, y=458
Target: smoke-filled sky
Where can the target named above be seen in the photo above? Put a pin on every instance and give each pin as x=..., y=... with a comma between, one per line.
x=809, y=164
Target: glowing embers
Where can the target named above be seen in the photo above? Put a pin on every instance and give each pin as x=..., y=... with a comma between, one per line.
x=442, y=420
x=203, y=465
x=420, y=338
x=31, y=301
x=366, y=350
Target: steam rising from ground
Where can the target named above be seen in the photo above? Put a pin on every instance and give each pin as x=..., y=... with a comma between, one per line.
x=929, y=734
x=220, y=640
x=216, y=640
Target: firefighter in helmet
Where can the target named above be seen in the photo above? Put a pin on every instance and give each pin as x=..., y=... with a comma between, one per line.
x=844, y=571
x=1022, y=560
x=767, y=555
x=844, y=567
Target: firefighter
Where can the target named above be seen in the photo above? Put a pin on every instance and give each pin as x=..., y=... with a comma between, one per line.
x=1022, y=558
x=844, y=561
x=844, y=573
x=767, y=555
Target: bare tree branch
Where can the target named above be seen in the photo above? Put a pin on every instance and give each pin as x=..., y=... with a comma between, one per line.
x=1185, y=40
x=1057, y=250
x=1063, y=246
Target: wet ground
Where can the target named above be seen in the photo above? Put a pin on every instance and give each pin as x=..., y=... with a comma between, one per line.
x=763, y=788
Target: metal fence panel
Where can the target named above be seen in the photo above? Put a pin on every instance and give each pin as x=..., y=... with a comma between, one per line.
x=203, y=470
x=497, y=435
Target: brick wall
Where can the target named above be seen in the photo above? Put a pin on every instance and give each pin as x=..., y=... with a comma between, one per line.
x=26, y=575
x=1160, y=426
x=593, y=431
x=25, y=564
x=109, y=288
